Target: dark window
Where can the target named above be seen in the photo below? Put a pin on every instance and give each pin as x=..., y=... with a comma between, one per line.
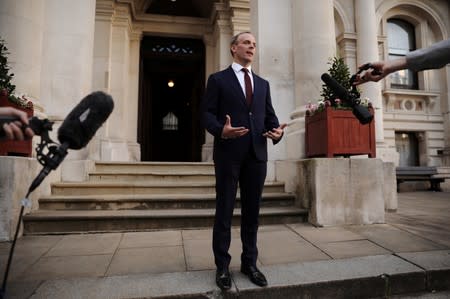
x=401, y=40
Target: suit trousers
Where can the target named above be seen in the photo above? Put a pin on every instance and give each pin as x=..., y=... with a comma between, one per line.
x=250, y=174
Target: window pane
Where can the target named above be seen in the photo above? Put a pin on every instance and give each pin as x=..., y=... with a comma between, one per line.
x=401, y=40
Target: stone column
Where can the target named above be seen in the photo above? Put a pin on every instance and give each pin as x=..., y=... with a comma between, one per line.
x=274, y=62
x=21, y=26
x=367, y=51
x=314, y=44
x=67, y=48
x=218, y=57
x=445, y=108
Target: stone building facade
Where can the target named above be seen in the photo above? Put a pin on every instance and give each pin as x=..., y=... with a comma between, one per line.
x=61, y=50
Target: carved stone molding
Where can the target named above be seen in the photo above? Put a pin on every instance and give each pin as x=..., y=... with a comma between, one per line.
x=413, y=101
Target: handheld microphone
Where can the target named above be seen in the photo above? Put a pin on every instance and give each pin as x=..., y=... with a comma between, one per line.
x=360, y=112
x=75, y=132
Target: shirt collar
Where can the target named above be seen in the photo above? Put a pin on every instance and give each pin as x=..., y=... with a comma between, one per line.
x=237, y=67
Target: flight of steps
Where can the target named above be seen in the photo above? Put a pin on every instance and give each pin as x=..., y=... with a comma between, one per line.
x=146, y=196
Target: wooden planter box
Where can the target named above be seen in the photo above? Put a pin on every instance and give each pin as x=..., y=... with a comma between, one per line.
x=338, y=133
x=15, y=147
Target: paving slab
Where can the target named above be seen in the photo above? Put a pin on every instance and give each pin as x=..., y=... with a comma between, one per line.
x=424, y=214
x=429, y=260
x=90, y=244
x=199, y=254
x=58, y=267
x=395, y=239
x=325, y=234
x=184, y=284
x=19, y=264
x=147, y=260
x=346, y=249
x=151, y=239
x=281, y=247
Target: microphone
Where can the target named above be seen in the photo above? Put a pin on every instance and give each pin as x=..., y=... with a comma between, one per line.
x=75, y=132
x=84, y=120
x=360, y=112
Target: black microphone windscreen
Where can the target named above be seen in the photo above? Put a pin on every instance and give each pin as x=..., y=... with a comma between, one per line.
x=84, y=120
x=337, y=89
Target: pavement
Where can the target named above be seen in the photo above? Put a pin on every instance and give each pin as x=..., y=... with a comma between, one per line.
x=406, y=257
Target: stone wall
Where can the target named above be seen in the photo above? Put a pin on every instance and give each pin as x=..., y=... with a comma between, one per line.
x=16, y=175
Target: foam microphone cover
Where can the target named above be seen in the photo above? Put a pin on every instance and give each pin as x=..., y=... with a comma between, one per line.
x=84, y=120
x=338, y=90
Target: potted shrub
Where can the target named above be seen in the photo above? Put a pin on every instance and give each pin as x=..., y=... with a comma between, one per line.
x=8, y=99
x=331, y=129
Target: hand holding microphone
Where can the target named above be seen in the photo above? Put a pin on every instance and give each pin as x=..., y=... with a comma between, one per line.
x=14, y=124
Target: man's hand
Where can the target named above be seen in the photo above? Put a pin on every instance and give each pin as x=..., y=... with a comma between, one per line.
x=13, y=130
x=380, y=69
x=276, y=133
x=232, y=132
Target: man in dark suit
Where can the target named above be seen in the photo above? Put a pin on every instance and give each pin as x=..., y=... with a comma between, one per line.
x=238, y=112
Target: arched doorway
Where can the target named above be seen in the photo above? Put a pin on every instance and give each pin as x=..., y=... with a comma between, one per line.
x=171, y=86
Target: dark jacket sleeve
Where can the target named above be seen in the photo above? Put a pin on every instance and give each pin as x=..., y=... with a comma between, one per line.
x=210, y=108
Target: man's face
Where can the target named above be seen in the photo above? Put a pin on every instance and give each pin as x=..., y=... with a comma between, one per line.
x=244, y=49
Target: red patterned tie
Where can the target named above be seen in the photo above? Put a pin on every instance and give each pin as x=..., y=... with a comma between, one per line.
x=248, y=87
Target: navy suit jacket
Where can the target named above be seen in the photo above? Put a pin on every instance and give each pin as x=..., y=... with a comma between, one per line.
x=223, y=96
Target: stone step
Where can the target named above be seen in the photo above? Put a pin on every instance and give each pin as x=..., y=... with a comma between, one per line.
x=152, y=201
x=54, y=222
x=96, y=188
x=166, y=167
x=153, y=177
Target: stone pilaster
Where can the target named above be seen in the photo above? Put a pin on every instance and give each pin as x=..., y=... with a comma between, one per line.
x=314, y=43
x=367, y=51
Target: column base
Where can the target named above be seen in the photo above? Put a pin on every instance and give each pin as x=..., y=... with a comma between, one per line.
x=341, y=191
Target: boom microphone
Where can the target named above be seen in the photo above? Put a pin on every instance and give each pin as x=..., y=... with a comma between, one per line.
x=75, y=132
x=360, y=112
x=84, y=120
x=337, y=89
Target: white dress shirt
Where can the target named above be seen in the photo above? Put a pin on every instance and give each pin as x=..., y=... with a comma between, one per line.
x=237, y=68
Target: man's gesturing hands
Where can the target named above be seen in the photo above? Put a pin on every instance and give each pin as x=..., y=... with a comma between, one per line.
x=231, y=132
x=275, y=133
x=234, y=132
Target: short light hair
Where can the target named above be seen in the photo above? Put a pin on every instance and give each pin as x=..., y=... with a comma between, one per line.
x=234, y=39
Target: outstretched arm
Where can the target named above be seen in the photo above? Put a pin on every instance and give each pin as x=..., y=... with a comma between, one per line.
x=433, y=57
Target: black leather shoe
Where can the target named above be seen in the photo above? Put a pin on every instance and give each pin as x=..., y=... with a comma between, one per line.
x=255, y=275
x=223, y=279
